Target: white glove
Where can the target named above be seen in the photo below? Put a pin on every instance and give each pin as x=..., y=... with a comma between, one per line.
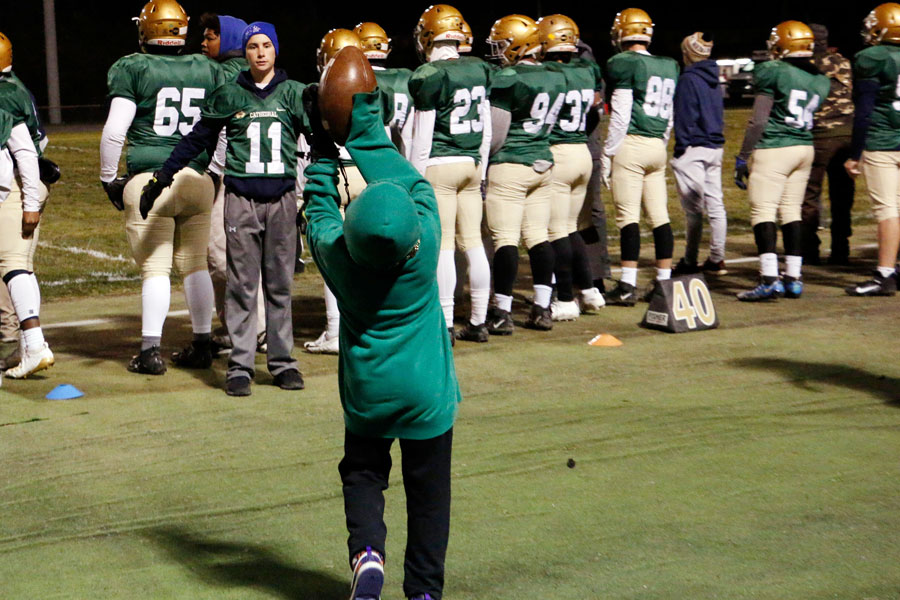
x=605, y=170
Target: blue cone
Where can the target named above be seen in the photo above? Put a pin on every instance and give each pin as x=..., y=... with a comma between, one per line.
x=64, y=392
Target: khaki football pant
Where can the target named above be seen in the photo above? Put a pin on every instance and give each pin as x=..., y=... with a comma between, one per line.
x=882, y=172
x=355, y=181
x=777, y=183
x=457, y=188
x=9, y=322
x=639, y=178
x=17, y=253
x=518, y=204
x=177, y=228
x=572, y=167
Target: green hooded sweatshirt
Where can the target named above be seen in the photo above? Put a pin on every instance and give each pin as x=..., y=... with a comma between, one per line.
x=396, y=372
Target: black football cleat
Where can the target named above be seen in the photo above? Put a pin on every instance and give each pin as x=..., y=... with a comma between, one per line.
x=624, y=294
x=197, y=355
x=879, y=285
x=148, y=362
x=473, y=333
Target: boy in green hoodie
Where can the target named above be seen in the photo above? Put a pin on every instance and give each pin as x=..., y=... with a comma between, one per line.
x=396, y=372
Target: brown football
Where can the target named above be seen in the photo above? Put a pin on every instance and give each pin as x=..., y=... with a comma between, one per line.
x=348, y=73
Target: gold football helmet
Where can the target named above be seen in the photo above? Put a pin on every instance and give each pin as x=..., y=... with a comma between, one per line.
x=513, y=38
x=631, y=25
x=376, y=44
x=882, y=24
x=466, y=46
x=162, y=23
x=558, y=33
x=333, y=41
x=790, y=38
x=5, y=53
x=440, y=22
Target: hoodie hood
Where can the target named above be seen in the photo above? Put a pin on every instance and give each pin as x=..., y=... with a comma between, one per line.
x=706, y=70
x=381, y=227
x=231, y=30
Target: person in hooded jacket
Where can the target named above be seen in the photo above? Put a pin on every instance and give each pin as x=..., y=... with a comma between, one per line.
x=697, y=164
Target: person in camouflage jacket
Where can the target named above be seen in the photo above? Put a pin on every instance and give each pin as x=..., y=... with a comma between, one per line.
x=831, y=139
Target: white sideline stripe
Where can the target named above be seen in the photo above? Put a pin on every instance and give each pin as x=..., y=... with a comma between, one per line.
x=183, y=313
x=92, y=322
x=87, y=251
x=93, y=277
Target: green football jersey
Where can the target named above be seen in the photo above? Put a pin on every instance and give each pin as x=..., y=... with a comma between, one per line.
x=652, y=80
x=395, y=83
x=232, y=66
x=262, y=132
x=456, y=91
x=797, y=95
x=19, y=103
x=6, y=125
x=882, y=64
x=533, y=95
x=583, y=80
x=168, y=92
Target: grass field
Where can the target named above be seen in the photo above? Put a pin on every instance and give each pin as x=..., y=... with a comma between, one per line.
x=760, y=460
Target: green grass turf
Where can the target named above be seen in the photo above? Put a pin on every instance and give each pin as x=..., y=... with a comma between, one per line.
x=757, y=461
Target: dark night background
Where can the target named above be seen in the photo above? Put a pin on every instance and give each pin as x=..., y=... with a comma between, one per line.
x=92, y=35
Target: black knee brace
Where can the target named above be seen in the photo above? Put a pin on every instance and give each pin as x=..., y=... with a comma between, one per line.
x=8, y=277
x=791, y=237
x=664, y=241
x=765, y=234
x=562, y=266
x=505, y=268
x=630, y=240
x=541, y=257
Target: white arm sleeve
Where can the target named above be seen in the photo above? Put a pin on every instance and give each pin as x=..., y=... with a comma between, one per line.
x=22, y=147
x=217, y=165
x=423, y=130
x=500, y=122
x=669, y=129
x=619, y=120
x=302, y=163
x=486, y=134
x=121, y=114
x=406, y=134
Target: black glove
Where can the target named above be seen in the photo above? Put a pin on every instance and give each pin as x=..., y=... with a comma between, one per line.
x=49, y=171
x=115, y=191
x=741, y=172
x=216, y=179
x=152, y=191
x=320, y=143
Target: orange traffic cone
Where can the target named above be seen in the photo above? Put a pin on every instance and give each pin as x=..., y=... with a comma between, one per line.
x=605, y=339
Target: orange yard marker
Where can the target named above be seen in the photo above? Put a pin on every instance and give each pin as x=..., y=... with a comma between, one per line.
x=605, y=339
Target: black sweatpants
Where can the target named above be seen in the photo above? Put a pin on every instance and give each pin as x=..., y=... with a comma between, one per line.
x=426, y=479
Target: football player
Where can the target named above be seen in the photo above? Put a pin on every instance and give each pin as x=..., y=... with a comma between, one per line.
x=525, y=100
x=20, y=217
x=633, y=163
x=155, y=100
x=465, y=47
x=572, y=165
x=789, y=89
x=263, y=115
x=876, y=139
x=450, y=149
x=222, y=43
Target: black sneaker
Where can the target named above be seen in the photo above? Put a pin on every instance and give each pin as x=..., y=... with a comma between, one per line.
x=877, y=286
x=197, y=355
x=499, y=322
x=540, y=318
x=148, y=362
x=237, y=386
x=289, y=379
x=711, y=267
x=452, y=333
x=621, y=295
x=473, y=333
x=685, y=268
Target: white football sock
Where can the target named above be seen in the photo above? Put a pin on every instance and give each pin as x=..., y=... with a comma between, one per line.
x=792, y=266
x=155, y=295
x=542, y=294
x=34, y=339
x=446, y=278
x=25, y=296
x=332, y=315
x=886, y=271
x=479, y=283
x=663, y=274
x=503, y=302
x=768, y=264
x=629, y=275
x=198, y=293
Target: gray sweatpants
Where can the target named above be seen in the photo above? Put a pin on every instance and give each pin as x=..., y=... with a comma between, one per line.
x=261, y=239
x=698, y=177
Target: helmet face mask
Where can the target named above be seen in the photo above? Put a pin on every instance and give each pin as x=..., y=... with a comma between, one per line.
x=513, y=38
x=558, y=34
x=790, y=39
x=376, y=45
x=882, y=25
x=631, y=25
x=162, y=24
x=333, y=41
x=439, y=23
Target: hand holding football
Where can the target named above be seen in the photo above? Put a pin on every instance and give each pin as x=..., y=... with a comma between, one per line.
x=348, y=73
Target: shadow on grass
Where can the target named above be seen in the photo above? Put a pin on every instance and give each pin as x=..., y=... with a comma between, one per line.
x=801, y=373
x=232, y=564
